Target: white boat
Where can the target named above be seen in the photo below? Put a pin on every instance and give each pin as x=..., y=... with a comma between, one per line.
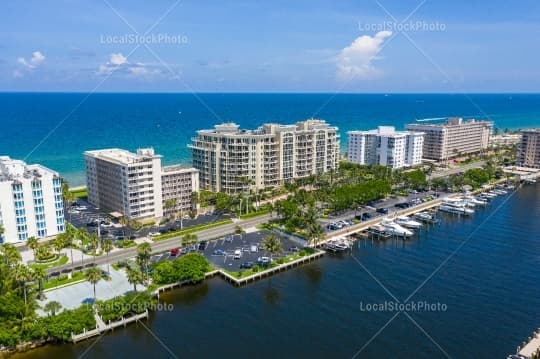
x=500, y=191
x=455, y=205
x=490, y=194
x=510, y=187
x=407, y=222
x=475, y=200
x=395, y=229
x=426, y=217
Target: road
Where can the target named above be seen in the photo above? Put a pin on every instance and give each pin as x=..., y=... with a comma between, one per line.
x=456, y=170
x=167, y=244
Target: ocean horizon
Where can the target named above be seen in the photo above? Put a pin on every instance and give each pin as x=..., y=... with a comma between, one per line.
x=55, y=128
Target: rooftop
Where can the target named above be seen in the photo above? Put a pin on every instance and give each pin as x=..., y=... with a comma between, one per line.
x=389, y=131
x=177, y=169
x=450, y=121
x=12, y=169
x=233, y=129
x=121, y=156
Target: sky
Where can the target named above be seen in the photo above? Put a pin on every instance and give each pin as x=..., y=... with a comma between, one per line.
x=360, y=46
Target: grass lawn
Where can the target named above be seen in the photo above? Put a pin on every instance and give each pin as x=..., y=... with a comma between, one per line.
x=254, y=214
x=192, y=229
x=61, y=261
x=53, y=283
x=81, y=193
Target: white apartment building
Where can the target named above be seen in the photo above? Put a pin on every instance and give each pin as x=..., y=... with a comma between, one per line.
x=386, y=147
x=178, y=184
x=231, y=160
x=453, y=138
x=529, y=148
x=30, y=201
x=125, y=182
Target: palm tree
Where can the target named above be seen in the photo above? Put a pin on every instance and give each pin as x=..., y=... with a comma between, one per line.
x=315, y=233
x=169, y=205
x=134, y=276
x=272, y=244
x=2, y=230
x=94, y=275
x=60, y=242
x=52, y=307
x=11, y=254
x=144, y=251
x=22, y=275
x=67, y=196
x=32, y=243
x=70, y=236
x=124, y=221
x=39, y=274
x=94, y=243
x=107, y=248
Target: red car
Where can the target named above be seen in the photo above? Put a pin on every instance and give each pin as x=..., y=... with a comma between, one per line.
x=175, y=251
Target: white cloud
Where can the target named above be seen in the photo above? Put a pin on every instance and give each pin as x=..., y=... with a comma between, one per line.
x=357, y=58
x=118, y=59
x=119, y=64
x=28, y=65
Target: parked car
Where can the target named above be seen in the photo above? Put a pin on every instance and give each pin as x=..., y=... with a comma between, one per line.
x=154, y=234
x=264, y=261
x=228, y=238
x=294, y=249
x=175, y=252
x=247, y=265
x=91, y=224
x=218, y=252
x=382, y=210
x=203, y=245
x=364, y=216
x=237, y=254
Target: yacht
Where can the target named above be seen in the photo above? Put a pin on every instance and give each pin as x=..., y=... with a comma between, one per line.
x=455, y=205
x=425, y=217
x=491, y=194
x=395, y=229
x=499, y=191
x=407, y=222
x=477, y=201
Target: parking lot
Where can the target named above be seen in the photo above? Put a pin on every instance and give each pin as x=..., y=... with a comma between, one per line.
x=380, y=208
x=85, y=215
x=235, y=251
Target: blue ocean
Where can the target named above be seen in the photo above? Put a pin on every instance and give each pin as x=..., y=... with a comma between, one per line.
x=56, y=128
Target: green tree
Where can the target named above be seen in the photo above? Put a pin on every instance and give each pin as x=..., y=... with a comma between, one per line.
x=39, y=274
x=107, y=248
x=94, y=244
x=52, y=307
x=94, y=275
x=144, y=252
x=22, y=275
x=32, y=243
x=134, y=277
x=189, y=238
x=170, y=205
x=272, y=244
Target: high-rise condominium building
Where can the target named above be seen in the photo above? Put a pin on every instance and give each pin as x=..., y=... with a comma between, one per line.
x=231, y=160
x=529, y=148
x=178, y=184
x=453, y=138
x=30, y=201
x=386, y=147
x=135, y=184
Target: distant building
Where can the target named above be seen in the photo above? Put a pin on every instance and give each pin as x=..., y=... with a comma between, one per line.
x=30, y=201
x=529, y=148
x=232, y=160
x=504, y=140
x=135, y=184
x=453, y=138
x=178, y=184
x=386, y=147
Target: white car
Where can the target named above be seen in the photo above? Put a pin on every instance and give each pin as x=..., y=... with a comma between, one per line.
x=237, y=254
x=154, y=234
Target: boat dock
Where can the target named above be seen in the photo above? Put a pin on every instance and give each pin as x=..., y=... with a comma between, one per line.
x=102, y=327
x=531, y=347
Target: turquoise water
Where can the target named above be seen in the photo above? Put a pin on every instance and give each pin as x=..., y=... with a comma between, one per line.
x=484, y=269
x=55, y=128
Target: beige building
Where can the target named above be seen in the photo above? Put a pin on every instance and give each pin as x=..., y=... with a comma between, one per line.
x=125, y=182
x=529, y=148
x=135, y=184
x=231, y=160
x=453, y=138
x=178, y=184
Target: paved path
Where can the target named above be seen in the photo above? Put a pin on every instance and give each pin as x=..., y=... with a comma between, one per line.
x=456, y=170
x=170, y=243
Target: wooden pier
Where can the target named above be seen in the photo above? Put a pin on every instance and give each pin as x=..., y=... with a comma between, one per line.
x=101, y=327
